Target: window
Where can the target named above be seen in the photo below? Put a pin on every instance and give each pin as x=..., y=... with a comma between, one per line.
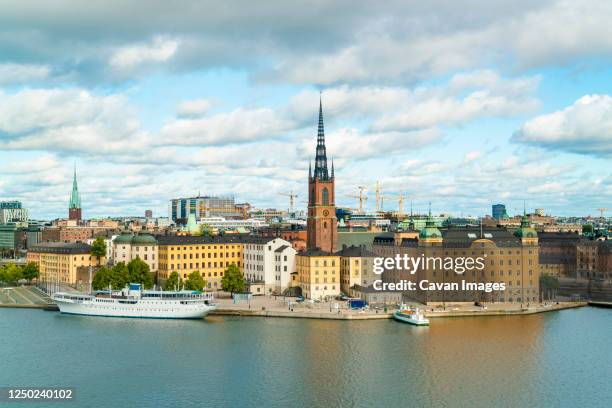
x=325, y=196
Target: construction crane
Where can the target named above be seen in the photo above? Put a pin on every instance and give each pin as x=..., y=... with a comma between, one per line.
x=379, y=197
x=400, y=202
x=292, y=198
x=602, y=212
x=362, y=197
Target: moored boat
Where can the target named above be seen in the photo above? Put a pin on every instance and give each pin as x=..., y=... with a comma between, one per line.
x=133, y=301
x=412, y=316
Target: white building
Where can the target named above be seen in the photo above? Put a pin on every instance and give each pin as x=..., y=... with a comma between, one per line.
x=144, y=246
x=110, y=250
x=269, y=261
x=223, y=224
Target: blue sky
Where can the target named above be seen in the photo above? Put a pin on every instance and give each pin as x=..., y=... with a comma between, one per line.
x=463, y=105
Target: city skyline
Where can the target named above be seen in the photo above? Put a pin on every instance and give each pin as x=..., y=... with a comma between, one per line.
x=485, y=111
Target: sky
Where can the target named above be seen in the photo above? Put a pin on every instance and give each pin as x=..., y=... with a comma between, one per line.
x=461, y=104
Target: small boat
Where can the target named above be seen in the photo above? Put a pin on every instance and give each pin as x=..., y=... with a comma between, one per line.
x=412, y=316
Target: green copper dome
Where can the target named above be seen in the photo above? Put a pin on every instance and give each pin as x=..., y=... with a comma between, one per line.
x=525, y=231
x=144, y=239
x=124, y=238
x=430, y=230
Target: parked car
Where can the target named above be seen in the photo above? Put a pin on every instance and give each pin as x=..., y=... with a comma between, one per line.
x=300, y=299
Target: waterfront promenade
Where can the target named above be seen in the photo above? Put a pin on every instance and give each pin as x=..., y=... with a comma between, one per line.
x=288, y=307
x=264, y=306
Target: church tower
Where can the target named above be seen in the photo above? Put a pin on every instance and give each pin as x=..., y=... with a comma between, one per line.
x=74, y=206
x=322, y=231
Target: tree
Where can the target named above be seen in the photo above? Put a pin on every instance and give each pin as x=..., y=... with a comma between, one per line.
x=11, y=273
x=119, y=276
x=173, y=282
x=98, y=248
x=101, y=279
x=205, y=230
x=30, y=271
x=232, y=280
x=195, y=281
x=139, y=272
x=548, y=284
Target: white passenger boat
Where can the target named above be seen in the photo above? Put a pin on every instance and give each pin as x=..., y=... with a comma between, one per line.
x=413, y=316
x=133, y=301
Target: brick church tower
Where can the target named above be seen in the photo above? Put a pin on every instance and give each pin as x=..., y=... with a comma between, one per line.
x=74, y=206
x=321, y=225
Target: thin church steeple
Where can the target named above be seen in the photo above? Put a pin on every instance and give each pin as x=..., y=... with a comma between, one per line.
x=320, y=170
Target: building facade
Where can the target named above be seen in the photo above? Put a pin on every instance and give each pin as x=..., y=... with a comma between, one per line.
x=127, y=246
x=208, y=255
x=59, y=262
x=12, y=211
x=270, y=262
x=509, y=258
x=498, y=211
x=356, y=269
x=318, y=274
x=203, y=207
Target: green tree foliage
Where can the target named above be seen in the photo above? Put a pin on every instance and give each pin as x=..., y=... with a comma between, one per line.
x=98, y=248
x=138, y=272
x=195, y=281
x=119, y=276
x=174, y=281
x=233, y=280
x=548, y=282
x=30, y=271
x=101, y=279
x=205, y=230
x=11, y=273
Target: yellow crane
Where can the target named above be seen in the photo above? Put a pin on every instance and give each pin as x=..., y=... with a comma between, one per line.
x=292, y=198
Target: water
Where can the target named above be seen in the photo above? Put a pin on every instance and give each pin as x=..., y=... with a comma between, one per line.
x=546, y=360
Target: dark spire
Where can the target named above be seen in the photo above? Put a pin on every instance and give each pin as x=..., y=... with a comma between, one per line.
x=332, y=174
x=309, y=169
x=321, y=157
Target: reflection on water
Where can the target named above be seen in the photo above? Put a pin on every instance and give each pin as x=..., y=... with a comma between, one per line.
x=558, y=359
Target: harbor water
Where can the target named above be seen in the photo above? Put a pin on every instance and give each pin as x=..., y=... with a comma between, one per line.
x=558, y=359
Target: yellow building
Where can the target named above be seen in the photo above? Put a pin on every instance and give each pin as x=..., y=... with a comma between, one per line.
x=208, y=255
x=356, y=268
x=318, y=274
x=59, y=262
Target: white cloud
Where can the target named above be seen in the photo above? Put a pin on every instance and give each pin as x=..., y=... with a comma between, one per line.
x=194, y=108
x=22, y=73
x=584, y=127
x=160, y=49
x=68, y=120
x=238, y=126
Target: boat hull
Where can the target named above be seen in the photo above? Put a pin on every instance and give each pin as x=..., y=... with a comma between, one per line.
x=407, y=319
x=196, y=311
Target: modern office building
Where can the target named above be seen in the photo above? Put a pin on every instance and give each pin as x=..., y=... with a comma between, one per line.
x=203, y=207
x=12, y=211
x=498, y=211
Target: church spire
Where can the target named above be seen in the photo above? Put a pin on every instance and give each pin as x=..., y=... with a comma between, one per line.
x=320, y=171
x=332, y=173
x=75, y=198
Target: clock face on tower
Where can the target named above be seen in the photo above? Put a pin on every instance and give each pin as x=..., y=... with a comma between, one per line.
x=325, y=213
